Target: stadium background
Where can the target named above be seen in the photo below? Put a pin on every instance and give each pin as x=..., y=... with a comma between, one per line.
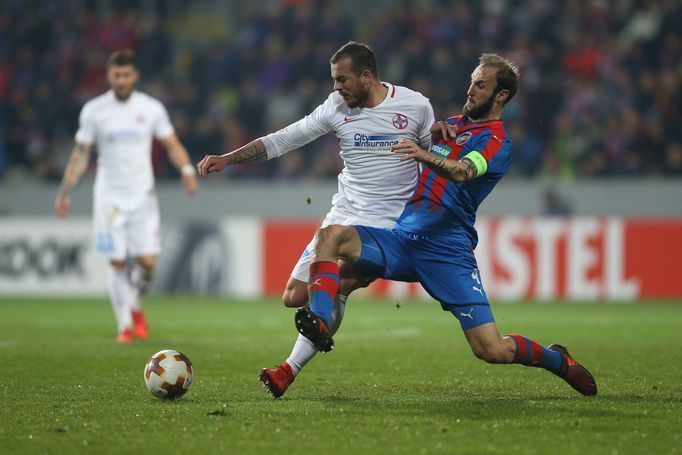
x=591, y=209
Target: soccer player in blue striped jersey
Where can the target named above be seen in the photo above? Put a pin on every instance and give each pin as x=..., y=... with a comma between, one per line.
x=433, y=240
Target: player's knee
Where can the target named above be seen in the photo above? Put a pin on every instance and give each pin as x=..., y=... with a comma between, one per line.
x=325, y=236
x=295, y=296
x=338, y=241
x=147, y=262
x=331, y=236
x=118, y=265
x=290, y=300
x=488, y=353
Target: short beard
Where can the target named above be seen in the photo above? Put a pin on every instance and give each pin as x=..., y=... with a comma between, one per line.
x=126, y=93
x=360, y=100
x=481, y=111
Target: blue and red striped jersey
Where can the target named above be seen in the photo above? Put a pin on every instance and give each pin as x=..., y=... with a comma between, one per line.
x=440, y=206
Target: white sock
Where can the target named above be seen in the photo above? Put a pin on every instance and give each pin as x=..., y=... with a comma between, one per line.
x=304, y=349
x=301, y=353
x=141, y=279
x=120, y=293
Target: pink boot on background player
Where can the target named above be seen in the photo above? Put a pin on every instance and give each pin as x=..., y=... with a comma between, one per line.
x=125, y=336
x=141, y=329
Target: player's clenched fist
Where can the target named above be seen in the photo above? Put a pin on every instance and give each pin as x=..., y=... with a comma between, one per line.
x=211, y=163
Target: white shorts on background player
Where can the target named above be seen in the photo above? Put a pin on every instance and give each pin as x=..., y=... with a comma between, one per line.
x=126, y=209
x=121, y=232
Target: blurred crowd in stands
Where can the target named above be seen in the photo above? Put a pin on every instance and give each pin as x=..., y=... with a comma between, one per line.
x=600, y=93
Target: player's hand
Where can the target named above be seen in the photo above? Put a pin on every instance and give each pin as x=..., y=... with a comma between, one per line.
x=442, y=130
x=410, y=151
x=61, y=206
x=189, y=181
x=211, y=163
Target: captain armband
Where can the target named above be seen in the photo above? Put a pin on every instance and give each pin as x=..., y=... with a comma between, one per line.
x=479, y=161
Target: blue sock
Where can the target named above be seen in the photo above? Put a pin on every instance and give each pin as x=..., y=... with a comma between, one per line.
x=323, y=286
x=532, y=354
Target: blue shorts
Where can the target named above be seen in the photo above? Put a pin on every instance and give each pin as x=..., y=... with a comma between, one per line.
x=444, y=265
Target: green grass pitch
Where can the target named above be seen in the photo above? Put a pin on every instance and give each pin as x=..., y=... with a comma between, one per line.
x=401, y=380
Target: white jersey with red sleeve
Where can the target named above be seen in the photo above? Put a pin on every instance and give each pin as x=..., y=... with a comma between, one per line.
x=374, y=184
x=123, y=133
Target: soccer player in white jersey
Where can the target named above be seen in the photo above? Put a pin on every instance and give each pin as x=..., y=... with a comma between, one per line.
x=368, y=117
x=122, y=123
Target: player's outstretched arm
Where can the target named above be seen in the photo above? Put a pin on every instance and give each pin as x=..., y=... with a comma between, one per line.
x=252, y=153
x=455, y=171
x=177, y=153
x=76, y=167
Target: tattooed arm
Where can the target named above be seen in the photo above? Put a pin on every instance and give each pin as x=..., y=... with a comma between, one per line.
x=455, y=171
x=78, y=164
x=252, y=153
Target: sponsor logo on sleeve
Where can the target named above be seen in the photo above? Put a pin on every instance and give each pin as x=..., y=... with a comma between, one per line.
x=441, y=150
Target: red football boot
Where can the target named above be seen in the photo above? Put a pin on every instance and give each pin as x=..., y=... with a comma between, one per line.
x=575, y=374
x=277, y=381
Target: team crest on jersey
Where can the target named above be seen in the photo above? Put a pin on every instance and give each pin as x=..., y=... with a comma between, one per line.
x=463, y=138
x=441, y=150
x=399, y=121
x=139, y=118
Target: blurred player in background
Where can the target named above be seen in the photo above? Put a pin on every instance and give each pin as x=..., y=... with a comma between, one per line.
x=369, y=117
x=433, y=241
x=122, y=123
